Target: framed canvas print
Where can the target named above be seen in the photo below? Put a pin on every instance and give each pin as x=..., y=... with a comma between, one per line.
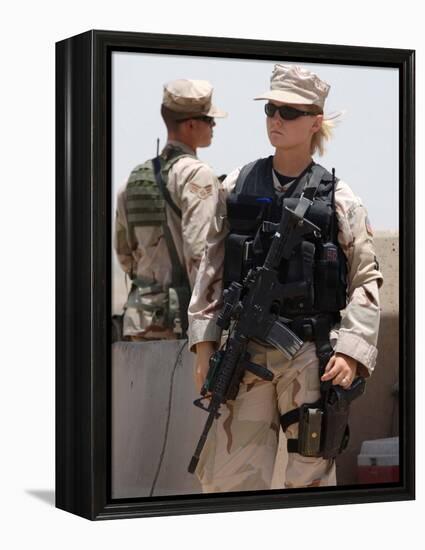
x=235, y=274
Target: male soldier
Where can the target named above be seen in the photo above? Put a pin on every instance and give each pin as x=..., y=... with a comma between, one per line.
x=334, y=268
x=163, y=213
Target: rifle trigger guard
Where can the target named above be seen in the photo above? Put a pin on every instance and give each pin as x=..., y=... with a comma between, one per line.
x=199, y=403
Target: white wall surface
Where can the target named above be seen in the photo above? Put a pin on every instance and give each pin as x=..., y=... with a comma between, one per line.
x=28, y=33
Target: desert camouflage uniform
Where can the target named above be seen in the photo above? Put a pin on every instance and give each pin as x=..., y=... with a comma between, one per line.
x=242, y=445
x=193, y=188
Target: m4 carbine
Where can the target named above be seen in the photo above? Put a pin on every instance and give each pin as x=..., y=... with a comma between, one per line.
x=254, y=307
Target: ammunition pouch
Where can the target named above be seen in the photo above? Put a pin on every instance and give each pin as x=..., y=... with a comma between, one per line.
x=246, y=214
x=309, y=431
x=330, y=278
x=238, y=258
x=299, y=280
x=315, y=276
x=161, y=307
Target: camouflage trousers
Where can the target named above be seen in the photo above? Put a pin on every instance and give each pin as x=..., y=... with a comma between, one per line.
x=241, y=447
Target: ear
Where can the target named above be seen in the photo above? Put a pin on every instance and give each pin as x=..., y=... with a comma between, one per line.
x=190, y=124
x=317, y=124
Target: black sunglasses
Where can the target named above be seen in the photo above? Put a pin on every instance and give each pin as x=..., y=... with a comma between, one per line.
x=285, y=112
x=207, y=119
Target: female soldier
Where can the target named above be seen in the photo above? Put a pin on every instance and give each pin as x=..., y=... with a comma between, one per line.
x=241, y=448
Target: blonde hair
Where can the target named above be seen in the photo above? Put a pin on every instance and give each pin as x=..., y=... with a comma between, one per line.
x=324, y=134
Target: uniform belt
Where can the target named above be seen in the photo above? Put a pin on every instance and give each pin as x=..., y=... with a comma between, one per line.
x=303, y=328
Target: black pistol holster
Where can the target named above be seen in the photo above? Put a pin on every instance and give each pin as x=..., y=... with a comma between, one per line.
x=323, y=429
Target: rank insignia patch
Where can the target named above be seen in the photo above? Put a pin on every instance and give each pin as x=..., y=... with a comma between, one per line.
x=200, y=191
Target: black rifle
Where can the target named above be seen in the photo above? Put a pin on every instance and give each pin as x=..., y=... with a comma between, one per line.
x=254, y=305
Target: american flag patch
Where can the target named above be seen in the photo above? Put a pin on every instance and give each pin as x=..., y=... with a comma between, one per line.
x=331, y=254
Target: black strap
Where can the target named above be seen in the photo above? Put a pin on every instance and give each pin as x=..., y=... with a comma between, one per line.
x=322, y=325
x=161, y=184
x=334, y=226
x=315, y=176
x=178, y=274
x=291, y=417
x=292, y=445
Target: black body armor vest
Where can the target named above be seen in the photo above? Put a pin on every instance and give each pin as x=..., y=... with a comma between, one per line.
x=316, y=272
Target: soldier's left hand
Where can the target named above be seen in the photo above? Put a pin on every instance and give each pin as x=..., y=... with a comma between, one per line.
x=341, y=369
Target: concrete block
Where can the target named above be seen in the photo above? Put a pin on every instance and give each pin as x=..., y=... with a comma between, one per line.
x=155, y=425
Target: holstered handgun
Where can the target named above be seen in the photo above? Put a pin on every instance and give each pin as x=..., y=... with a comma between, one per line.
x=335, y=430
x=323, y=426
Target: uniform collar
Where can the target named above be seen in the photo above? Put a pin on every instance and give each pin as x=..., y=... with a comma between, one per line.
x=185, y=148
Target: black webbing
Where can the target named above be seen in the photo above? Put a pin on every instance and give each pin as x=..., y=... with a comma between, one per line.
x=292, y=446
x=289, y=418
x=178, y=275
x=315, y=177
x=161, y=184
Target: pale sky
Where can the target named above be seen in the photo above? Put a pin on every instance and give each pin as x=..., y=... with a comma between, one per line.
x=364, y=150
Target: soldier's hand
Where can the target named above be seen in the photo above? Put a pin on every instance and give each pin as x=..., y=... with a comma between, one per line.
x=341, y=369
x=204, y=350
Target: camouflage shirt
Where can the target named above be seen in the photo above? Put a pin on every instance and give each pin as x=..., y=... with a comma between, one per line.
x=358, y=331
x=193, y=188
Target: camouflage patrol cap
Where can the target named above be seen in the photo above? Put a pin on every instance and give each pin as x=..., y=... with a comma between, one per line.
x=293, y=84
x=190, y=98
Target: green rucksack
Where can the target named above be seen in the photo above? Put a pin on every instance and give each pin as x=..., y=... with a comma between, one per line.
x=147, y=195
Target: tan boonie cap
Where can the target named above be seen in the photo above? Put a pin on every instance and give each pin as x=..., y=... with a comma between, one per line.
x=293, y=84
x=190, y=98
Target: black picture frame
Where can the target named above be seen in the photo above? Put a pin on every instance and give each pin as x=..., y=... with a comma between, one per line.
x=83, y=274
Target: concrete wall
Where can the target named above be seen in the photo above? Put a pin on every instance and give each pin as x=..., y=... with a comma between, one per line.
x=375, y=415
x=155, y=426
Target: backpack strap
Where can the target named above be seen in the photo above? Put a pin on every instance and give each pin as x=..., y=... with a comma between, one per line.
x=179, y=278
x=162, y=187
x=179, y=274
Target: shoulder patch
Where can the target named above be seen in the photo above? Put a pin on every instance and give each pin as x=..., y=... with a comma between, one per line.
x=202, y=192
x=368, y=227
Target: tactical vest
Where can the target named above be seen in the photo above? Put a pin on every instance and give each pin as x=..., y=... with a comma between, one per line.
x=147, y=195
x=145, y=200
x=315, y=275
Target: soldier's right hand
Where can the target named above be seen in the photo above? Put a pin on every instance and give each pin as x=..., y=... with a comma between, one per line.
x=204, y=350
